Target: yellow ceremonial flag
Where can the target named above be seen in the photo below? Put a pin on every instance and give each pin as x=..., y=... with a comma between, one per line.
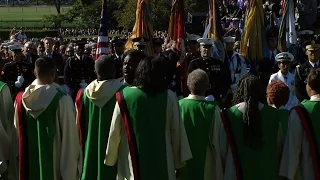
x=143, y=26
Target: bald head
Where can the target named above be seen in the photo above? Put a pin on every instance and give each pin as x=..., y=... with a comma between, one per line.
x=198, y=82
x=105, y=67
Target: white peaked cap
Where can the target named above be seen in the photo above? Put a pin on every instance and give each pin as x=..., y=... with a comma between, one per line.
x=192, y=37
x=229, y=39
x=205, y=41
x=284, y=56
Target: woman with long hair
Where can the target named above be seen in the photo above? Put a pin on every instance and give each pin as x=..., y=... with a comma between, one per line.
x=146, y=127
x=249, y=135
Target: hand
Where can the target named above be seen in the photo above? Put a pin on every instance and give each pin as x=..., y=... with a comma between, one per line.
x=178, y=173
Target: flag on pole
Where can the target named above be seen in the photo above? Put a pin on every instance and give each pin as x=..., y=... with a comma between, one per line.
x=214, y=29
x=143, y=26
x=177, y=27
x=254, y=35
x=287, y=33
x=103, y=39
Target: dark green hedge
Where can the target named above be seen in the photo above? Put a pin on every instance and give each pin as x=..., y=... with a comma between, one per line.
x=4, y=34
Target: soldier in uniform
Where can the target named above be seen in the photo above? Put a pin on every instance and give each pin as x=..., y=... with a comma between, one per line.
x=305, y=37
x=17, y=73
x=217, y=70
x=78, y=70
x=140, y=43
x=302, y=71
x=30, y=53
x=157, y=46
x=118, y=55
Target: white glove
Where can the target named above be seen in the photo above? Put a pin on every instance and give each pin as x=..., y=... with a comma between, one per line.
x=19, y=82
x=21, y=79
x=209, y=98
x=83, y=85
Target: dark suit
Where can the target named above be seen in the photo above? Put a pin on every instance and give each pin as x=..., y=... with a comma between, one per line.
x=118, y=61
x=300, y=80
x=57, y=57
x=78, y=70
x=218, y=72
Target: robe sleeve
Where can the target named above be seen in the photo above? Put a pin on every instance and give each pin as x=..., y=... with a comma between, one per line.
x=6, y=110
x=280, y=142
x=181, y=150
x=114, y=138
x=70, y=158
x=224, y=146
x=292, y=147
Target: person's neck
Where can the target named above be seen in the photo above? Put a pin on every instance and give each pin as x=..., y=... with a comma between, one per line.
x=272, y=49
x=284, y=73
x=129, y=80
x=198, y=94
x=314, y=61
x=49, y=52
x=44, y=82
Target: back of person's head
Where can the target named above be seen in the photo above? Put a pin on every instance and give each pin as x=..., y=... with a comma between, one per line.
x=105, y=67
x=151, y=75
x=313, y=82
x=198, y=82
x=250, y=91
x=278, y=93
x=45, y=69
x=135, y=55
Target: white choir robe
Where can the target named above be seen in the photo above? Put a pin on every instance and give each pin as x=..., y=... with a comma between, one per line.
x=293, y=100
x=237, y=71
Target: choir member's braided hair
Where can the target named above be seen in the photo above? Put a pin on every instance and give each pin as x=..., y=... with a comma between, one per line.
x=151, y=75
x=250, y=91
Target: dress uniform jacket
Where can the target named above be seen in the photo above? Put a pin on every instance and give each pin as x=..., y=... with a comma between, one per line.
x=300, y=80
x=57, y=57
x=218, y=72
x=78, y=70
x=238, y=68
x=12, y=70
x=118, y=60
x=289, y=81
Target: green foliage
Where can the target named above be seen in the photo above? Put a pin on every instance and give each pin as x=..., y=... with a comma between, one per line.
x=4, y=33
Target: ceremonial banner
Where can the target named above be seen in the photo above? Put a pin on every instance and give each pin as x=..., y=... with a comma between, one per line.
x=287, y=40
x=214, y=29
x=253, y=43
x=177, y=28
x=103, y=40
x=143, y=26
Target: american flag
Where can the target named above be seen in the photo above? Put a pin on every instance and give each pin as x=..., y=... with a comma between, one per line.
x=103, y=40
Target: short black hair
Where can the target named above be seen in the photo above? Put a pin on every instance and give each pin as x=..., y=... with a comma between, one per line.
x=314, y=80
x=105, y=67
x=135, y=55
x=45, y=66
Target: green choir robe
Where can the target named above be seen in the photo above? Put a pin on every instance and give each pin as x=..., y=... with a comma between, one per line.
x=147, y=138
x=242, y=162
x=48, y=143
x=95, y=107
x=202, y=123
x=300, y=159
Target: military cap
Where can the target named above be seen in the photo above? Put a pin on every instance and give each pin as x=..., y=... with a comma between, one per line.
x=140, y=41
x=284, y=56
x=117, y=40
x=158, y=41
x=16, y=47
x=229, y=39
x=272, y=32
x=81, y=43
x=312, y=46
x=205, y=41
x=192, y=38
x=305, y=33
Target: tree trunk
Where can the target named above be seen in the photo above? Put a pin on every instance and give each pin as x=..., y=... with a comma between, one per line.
x=57, y=3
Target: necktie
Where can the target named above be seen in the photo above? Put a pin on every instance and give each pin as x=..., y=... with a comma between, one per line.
x=286, y=78
x=315, y=66
x=272, y=58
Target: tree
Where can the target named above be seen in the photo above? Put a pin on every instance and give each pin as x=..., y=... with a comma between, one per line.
x=56, y=3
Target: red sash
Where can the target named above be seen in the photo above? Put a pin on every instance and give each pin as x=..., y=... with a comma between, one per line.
x=79, y=106
x=313, y=144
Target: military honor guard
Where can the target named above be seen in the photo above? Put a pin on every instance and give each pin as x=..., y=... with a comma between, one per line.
x=238, y=65
x=302, y=71
x=284, y=60
x=301, y=147
x=305, y=37
x=78, y=70
x=217, y=70
x=157, y=46
x=140, y=43
x=118, y=45
x=17, y=73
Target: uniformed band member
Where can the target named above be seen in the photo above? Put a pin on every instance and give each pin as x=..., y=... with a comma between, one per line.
x=140, y=43
x=218, y=71
x=302, y=71
x=17, y=73
x=284, y=61
x=79, y=70
x=157, y=46
x=118, y=45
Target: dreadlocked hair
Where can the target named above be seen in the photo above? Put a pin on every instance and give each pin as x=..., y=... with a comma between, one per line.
x=238, y=95
x=250, y=92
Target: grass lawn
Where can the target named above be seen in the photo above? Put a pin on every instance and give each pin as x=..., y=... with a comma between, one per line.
x=24, y=15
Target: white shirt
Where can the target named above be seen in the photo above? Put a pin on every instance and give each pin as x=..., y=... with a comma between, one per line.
x=289, y=81
x=312, y=64
x=237, y=71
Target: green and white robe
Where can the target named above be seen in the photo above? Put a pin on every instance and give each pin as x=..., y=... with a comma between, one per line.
x=202, y=122
x=95, y=105
x=242, y=162
x=147, y=138
x=48, y=142
x=300, y=159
